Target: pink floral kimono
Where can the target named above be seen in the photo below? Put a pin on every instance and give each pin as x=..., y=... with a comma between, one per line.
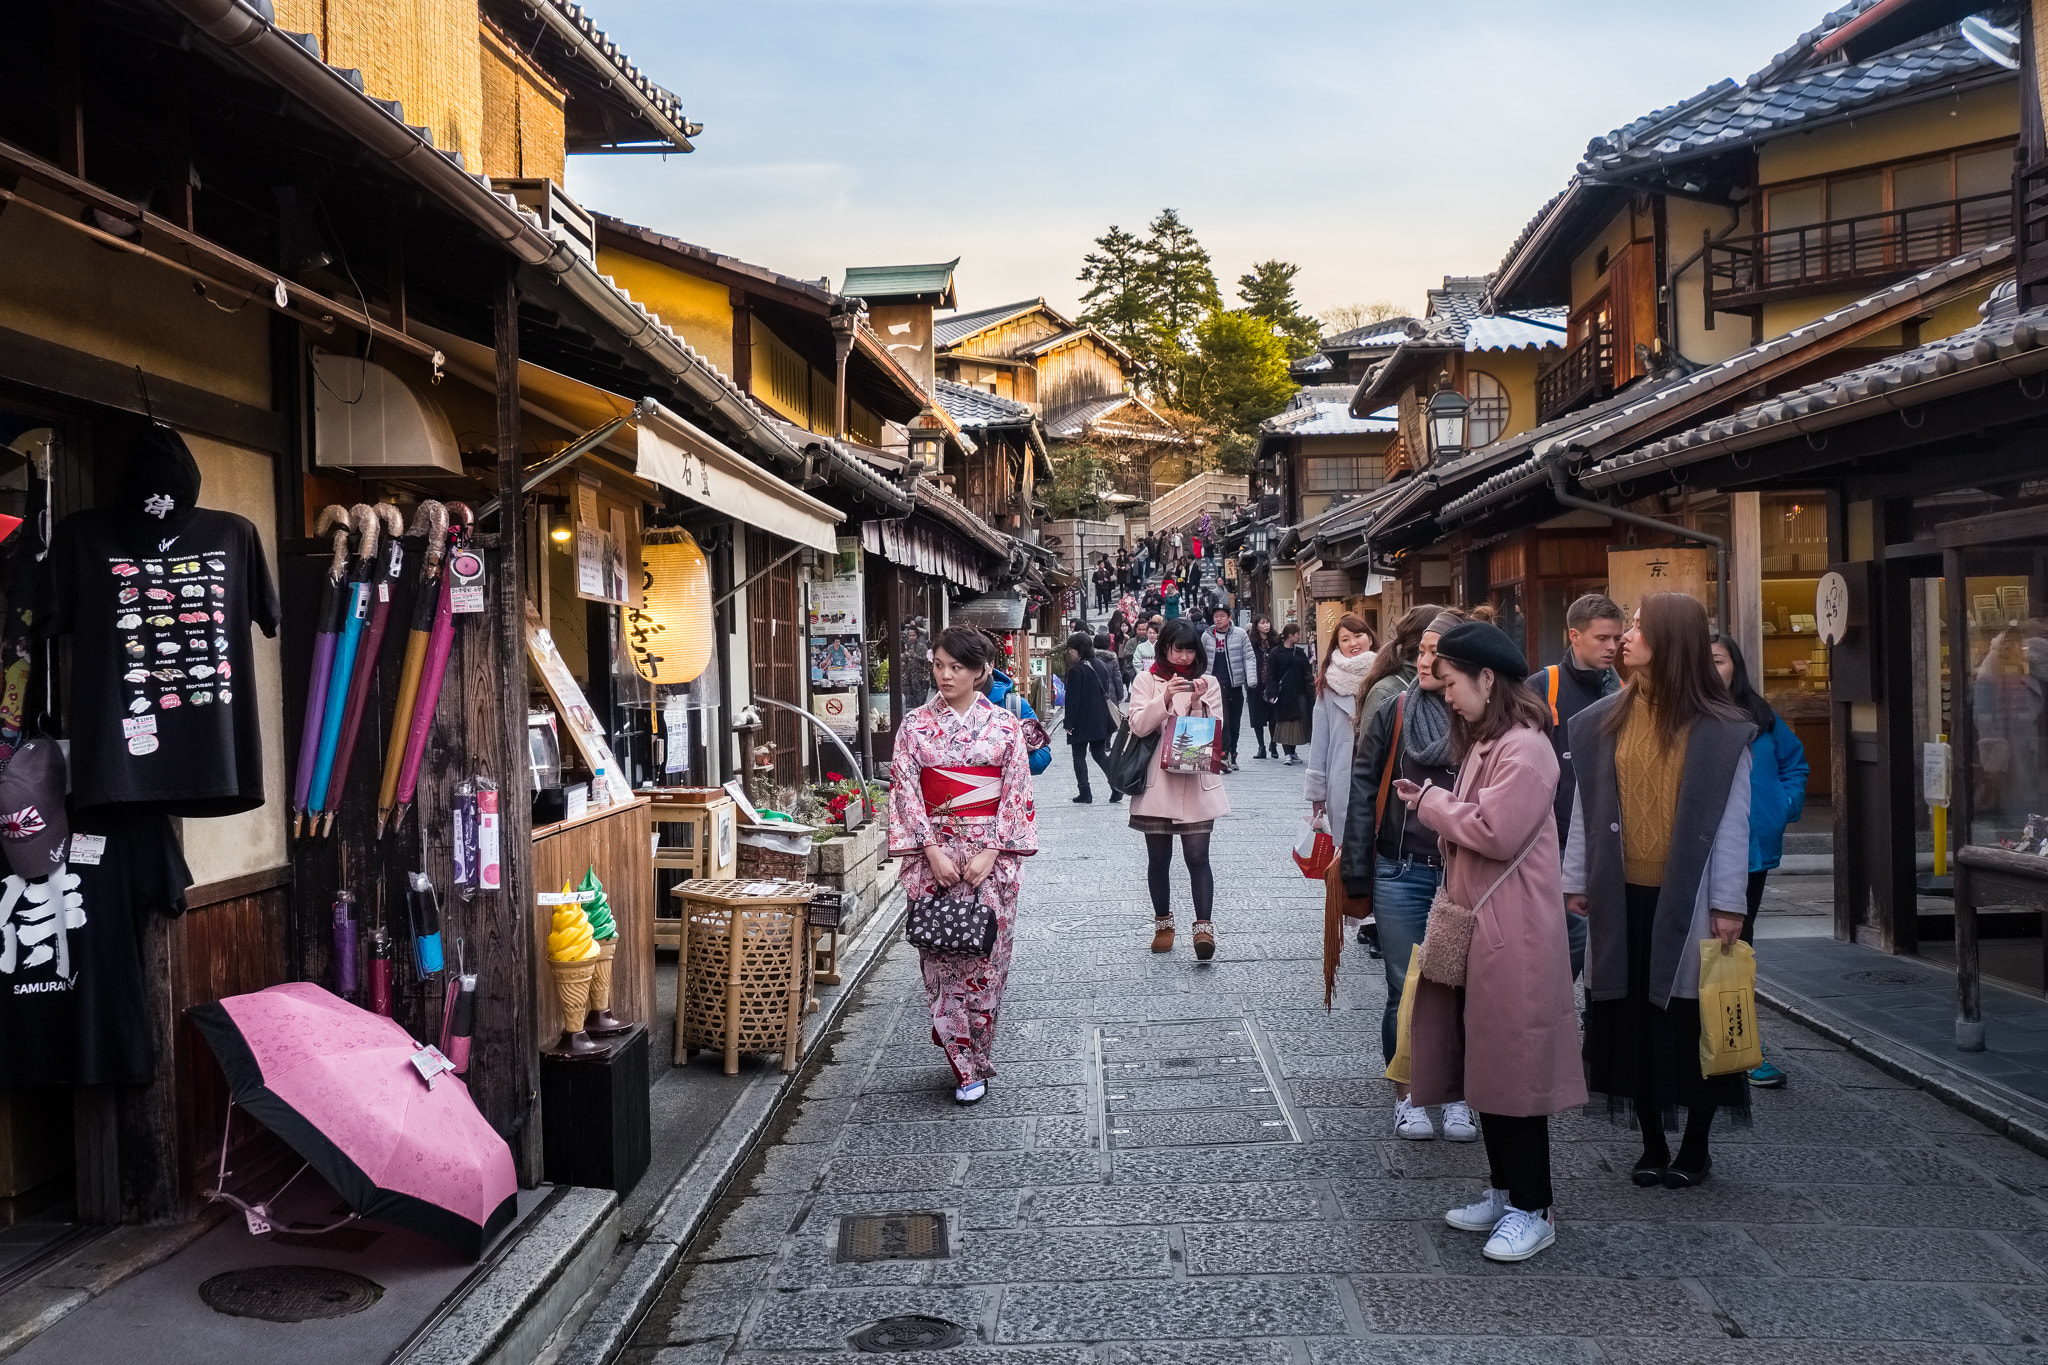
x=964, y=783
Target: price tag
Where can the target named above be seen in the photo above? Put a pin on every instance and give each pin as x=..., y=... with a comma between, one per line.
x=466, y=595
x=88, y=849
x=430, y=1062
x=131, y=726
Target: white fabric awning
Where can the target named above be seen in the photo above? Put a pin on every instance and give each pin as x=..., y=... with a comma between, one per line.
x=677, y=455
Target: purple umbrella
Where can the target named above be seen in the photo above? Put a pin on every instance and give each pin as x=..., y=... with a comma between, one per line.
x=333, y=517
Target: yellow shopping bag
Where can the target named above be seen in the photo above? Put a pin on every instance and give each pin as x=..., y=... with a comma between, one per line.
x=1728, y=1034
x=1397, y=1070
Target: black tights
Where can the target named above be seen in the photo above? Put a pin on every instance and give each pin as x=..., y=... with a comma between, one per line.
x=1194, y=850
x=1692, y=1149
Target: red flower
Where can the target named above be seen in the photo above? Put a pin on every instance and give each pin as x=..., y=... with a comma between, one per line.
x=835, y=777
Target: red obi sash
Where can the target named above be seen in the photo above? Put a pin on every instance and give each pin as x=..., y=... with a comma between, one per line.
x=964, y=792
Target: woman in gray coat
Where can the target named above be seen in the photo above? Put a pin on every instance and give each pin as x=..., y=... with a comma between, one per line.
x=1658, y=859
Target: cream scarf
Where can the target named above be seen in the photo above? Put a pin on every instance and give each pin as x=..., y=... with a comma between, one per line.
x=1343, y=673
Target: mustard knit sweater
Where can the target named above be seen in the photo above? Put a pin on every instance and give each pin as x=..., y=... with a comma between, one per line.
x=1647, y=772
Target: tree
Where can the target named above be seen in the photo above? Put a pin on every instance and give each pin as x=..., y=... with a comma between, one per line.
x=1236, y=374
x=1268, y=292
x=1080, y=484
x=1182, y=282
x=1345, y=317
x=1118, y=300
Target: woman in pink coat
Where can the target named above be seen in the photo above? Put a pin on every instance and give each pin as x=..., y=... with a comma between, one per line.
x=1507, y=1041
x=1178, y=684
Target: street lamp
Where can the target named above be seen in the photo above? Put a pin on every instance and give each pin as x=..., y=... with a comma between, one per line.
x=927, y=440
x=1259, y=539
x=1448, y=411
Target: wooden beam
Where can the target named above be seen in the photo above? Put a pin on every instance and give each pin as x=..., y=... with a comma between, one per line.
x=233, y=888
x=509, y=946
x=50, y=368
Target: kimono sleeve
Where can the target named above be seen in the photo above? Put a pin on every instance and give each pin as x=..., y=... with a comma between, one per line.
x=1015, y=831
x=910, y=825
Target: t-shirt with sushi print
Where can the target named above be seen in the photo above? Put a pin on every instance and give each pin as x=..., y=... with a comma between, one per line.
x=163, y=695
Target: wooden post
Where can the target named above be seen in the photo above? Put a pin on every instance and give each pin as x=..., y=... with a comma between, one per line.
x=1962, y=740
x=1745, y=575
x=510, y=954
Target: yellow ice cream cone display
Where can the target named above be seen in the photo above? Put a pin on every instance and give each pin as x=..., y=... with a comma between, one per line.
x=572, y=958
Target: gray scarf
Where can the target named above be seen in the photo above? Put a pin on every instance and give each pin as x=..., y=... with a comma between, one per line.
x=1428, y=728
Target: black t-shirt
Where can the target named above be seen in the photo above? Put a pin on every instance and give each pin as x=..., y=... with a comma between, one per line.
x=163, y=692
x=73, y=1010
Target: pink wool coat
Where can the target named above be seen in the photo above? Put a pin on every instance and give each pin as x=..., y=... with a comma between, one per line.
x=1514, y=1049
x=1183, y=797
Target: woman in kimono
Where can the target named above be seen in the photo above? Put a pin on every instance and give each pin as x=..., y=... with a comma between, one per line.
x=960, y=811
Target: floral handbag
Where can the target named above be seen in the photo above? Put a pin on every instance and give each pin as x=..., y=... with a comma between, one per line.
x=953, y=919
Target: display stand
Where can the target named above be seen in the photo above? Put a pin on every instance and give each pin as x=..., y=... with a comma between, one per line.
x=696, y=833
x=596, y=1124
x=742, y=972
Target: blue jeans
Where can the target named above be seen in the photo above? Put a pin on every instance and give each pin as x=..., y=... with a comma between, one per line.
x=1401, y=893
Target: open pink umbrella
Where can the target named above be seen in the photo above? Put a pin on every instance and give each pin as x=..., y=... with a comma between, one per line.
x=337, y=1083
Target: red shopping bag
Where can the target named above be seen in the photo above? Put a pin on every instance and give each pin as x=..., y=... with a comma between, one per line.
x=1314, y=849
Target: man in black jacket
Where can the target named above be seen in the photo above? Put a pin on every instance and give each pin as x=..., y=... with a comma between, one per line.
x=1593, y=630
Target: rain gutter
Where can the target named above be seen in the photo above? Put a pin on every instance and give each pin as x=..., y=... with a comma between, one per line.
x=1566, y=498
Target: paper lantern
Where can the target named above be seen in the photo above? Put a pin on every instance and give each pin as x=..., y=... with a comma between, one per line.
x=670, y=633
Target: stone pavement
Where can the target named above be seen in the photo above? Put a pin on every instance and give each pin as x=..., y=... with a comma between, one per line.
x=1186, y=1164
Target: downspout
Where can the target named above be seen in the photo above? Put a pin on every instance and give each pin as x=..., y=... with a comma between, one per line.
x=1566, y=498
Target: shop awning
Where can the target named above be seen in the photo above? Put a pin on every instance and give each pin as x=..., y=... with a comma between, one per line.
x=664, y=449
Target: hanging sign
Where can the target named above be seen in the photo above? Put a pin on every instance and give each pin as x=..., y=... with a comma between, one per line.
x=1633, y=575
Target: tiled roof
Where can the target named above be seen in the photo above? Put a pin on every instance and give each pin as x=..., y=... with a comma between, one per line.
x=2003, y=349
x=951, y=331
x=1091, y=416
x=1456, y=322
x=899, y=281
x=1315, y=364
x=605, y=62
x=1537, y=327
x=1385, y=332
x=1329, y=419
x=1727, y=115
x=972, y=407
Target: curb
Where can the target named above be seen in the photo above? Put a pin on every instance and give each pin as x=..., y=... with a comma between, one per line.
x=2003, y=1111
x=624, y=1298
x=508, y=1315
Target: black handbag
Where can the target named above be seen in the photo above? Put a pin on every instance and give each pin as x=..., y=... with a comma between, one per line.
x=1130, y=759
x=952, y=919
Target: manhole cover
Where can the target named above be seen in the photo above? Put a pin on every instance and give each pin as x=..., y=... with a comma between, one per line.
x=893, y=1237
x=1887, y=976
x=908, y=1333
x=289, y=1293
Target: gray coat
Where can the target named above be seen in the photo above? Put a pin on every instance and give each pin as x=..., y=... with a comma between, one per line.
x=1706, y=869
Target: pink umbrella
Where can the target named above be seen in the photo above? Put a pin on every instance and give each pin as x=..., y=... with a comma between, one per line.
x=338, y=1084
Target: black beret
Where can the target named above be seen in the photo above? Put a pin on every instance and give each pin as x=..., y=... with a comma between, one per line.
x=1481, y=644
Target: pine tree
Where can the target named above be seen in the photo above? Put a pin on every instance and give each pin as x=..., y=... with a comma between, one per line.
x=1118, y=300
x=1183, y=284
x=1268, y=292
x=1236, y=374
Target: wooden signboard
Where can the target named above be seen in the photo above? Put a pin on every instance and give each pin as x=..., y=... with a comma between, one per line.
x=571, y=706
x=1633, y=575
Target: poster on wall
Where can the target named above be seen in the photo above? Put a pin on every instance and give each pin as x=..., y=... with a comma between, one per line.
x=1633, y=575
x=602, y=568
x=835, y=607
x=840, y=711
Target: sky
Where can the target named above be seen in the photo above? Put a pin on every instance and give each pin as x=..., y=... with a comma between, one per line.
x=1379, y=145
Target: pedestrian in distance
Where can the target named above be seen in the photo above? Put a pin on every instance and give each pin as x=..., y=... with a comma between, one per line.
x=1264, y=638
x=1658, y=859
x=1506, y=1043
x=1185, y=804
x=1290, y=693
x=1777, y=797
x=1583, y=675
x=960, y=811
x=1086, y=716
x=1105, y=664
x=1169, y=598
x=1229, y=649
x=1147, y=647
x=1393, y=860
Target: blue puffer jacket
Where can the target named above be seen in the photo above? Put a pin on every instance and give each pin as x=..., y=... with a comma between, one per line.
x=1777, y=792
x=1000, y=686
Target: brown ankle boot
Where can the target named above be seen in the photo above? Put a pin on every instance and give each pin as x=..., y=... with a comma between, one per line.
x=1205, y=940
x=1162, y=936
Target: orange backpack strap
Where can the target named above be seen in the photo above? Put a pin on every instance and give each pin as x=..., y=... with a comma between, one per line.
x=1379, y=805
x=1553, y=671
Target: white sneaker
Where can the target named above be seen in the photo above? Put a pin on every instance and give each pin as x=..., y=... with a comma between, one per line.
x=1411, y=1121
x=1459, y=1124
x=1482, y=1215
x=1520, y=1235
x=970, y=1093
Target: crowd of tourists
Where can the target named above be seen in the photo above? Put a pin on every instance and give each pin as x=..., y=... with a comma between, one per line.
x=1501, y=834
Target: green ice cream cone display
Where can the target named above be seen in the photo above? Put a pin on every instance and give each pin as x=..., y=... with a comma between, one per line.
x=603, y=929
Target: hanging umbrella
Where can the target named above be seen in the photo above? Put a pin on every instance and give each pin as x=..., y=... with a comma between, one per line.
x=431, y=521
x=432, y=671
x=338, y=1085
x=383, y=584
x=328, y=627
x=355, y=612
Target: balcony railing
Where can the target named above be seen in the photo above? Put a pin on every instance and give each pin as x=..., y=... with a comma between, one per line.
x=1585, y=373
x=1868, y=249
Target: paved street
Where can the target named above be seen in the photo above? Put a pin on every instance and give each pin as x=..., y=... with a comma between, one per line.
x=1184, y=1164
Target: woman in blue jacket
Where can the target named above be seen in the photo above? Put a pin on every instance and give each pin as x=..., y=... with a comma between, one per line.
x=1777, y=795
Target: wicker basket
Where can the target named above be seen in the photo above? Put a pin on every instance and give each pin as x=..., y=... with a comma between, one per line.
x=742, y=973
